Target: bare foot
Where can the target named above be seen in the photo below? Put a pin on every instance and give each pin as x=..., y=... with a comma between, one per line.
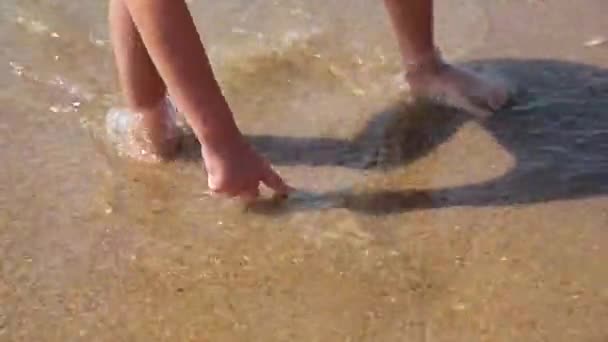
x=150, y=135
x=438, y=81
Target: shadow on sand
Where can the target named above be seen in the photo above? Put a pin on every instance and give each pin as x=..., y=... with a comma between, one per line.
x=556, y=129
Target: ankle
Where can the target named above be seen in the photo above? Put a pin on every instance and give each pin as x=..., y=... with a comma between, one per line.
x=424, y=64
x=155, y=127
x=157, y=107
x=141, y=136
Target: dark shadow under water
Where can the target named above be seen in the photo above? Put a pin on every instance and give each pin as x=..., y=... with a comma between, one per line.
x=556, y=129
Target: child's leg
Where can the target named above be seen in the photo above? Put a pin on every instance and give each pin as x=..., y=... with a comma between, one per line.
x=147, y=128
x=427, y=74
x=169, y=35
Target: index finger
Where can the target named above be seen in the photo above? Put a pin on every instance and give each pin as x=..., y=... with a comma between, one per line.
x=272, y=180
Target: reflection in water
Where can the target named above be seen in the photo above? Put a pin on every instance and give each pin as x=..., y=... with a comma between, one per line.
x=411, y=222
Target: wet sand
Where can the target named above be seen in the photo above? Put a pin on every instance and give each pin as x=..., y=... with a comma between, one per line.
x=411, y=223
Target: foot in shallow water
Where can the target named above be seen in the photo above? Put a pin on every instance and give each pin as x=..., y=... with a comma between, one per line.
x=150, y=135
x=459, y=88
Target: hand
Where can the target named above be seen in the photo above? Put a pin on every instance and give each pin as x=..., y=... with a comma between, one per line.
x=235, y=169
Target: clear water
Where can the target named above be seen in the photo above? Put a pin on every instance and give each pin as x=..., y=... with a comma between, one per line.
x=411, y=224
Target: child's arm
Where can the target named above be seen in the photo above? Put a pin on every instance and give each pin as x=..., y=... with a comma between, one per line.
x=171, y=38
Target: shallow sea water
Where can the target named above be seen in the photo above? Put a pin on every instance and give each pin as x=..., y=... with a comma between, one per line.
x=410, y=223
